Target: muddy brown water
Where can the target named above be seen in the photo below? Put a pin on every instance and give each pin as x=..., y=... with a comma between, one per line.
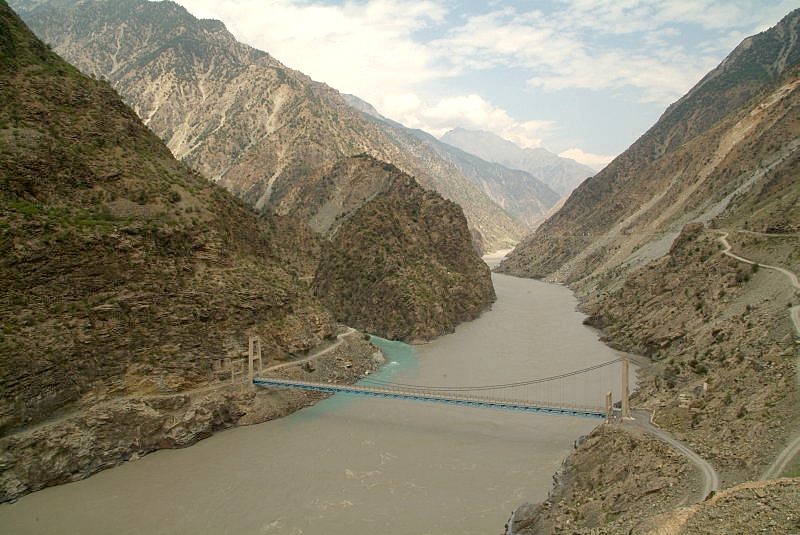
x=352, y=465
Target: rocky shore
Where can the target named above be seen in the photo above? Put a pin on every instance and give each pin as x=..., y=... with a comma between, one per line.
x=110, y=432
x=616, y=479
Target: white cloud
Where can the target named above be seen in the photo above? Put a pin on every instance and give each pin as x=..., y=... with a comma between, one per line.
x=558, y=55
x=360, y=48
x=595, y=161
x=631, y=16
x=582, y=45
x=466, y=111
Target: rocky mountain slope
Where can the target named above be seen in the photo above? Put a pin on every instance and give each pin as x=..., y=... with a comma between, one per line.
x=123, y=272
x=399, y=264
x=642, y=243
x=636, y=473
x=521, y=194
x=561, y=174
x=669, y=177
x=235, y=113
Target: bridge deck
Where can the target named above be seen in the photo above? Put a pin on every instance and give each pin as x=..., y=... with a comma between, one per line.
x=450, y=399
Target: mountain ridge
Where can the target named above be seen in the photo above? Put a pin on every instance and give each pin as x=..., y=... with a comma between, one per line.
x=125, y=274
x=238, y=115
x=132, y=284
x=559, y=173
x=403, y=252
x=521, y=194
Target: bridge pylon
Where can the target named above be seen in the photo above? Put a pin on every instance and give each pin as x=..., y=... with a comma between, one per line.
x=254, y=356
x=626, y=411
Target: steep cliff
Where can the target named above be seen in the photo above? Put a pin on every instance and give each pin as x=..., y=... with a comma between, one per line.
x=238, y=115
x=400, y=264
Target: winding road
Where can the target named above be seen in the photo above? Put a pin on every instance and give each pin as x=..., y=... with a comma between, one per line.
x=781, y=462
x=723, y=239
x=643, y=420
x=792, y=449
x=316, y=354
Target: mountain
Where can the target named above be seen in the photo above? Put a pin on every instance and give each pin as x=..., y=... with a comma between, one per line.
x=561, y=174
x=238, y=115
x=521, y=194
x=131, y=283
x=669, y=177
x=124, y=275
x=647, y=245
x=404, y=253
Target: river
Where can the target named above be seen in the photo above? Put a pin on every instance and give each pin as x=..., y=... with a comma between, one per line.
x=362, y=465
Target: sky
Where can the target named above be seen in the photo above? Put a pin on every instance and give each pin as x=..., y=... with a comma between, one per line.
x=582, y=78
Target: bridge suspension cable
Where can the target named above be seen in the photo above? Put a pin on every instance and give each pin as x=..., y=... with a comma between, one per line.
x=379, y=382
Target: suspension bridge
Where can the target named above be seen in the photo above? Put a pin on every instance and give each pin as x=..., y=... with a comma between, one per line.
x=557, y=394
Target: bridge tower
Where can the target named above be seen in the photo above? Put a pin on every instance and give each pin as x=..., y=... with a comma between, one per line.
x=626, y=412
x=253, y=356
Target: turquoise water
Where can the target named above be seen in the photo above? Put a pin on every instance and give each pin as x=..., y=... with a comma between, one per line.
x=401, y=361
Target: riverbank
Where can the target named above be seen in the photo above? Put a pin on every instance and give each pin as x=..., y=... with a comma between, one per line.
x=108, y=433
x=636, y=474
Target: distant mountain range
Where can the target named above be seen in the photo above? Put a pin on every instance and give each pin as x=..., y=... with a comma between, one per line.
x=520, y=193
x=239, y=116
x=560, y=174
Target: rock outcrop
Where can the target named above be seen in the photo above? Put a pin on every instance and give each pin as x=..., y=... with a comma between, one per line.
x=616, y=479
x=400, y=263
x=121, y=429
x=753, y=507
